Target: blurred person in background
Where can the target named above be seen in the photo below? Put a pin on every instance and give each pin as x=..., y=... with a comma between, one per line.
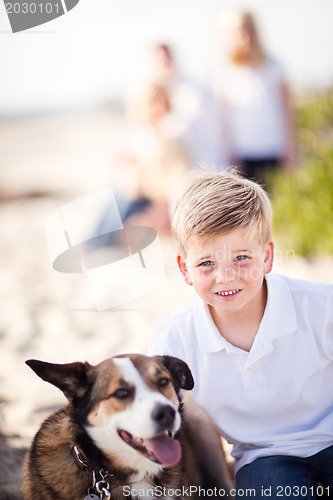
x=256, y=109
x=195, y=116
x=172, y=127
x=148, y=170
x=154, y=160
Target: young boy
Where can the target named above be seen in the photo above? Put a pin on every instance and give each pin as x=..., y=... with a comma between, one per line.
x=260, y=346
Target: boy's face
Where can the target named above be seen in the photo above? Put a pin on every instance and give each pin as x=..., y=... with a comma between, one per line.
x=227, y=271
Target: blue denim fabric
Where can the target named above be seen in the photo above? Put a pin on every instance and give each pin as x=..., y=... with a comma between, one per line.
x=284, y=477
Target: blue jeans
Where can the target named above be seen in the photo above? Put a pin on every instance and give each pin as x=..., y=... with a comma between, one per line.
x=284, y=477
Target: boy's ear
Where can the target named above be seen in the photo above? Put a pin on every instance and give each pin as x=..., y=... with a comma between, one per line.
x=183, y=269
x=269, y=257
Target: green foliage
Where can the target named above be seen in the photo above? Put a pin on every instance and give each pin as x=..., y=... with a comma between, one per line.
x=316, y=112
x=303, y=200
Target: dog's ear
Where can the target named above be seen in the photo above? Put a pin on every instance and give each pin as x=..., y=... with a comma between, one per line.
x=179, y=370
x=72, y=379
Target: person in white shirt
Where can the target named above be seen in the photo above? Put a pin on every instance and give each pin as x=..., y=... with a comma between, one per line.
x=259, y=345
x=255, y=101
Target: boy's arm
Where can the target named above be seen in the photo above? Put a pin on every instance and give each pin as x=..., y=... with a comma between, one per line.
x=329, y=329
x=164, y=342
x=157, y=345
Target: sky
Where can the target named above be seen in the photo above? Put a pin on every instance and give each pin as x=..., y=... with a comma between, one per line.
x=92, y=54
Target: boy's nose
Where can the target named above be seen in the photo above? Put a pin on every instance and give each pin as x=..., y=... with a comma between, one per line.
x=225, y=275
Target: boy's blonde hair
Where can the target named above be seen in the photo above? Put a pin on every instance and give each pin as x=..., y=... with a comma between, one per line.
x=216, y=204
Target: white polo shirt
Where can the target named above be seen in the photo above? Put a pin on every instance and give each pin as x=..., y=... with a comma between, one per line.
x=276, y=399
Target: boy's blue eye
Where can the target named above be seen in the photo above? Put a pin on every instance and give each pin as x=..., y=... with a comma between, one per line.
x=206, y=263
x=241, y=257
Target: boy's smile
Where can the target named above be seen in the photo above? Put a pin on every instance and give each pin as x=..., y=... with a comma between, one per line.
x=227, y=271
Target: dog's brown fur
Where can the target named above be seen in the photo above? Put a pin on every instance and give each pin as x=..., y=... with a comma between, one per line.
x=52, y=472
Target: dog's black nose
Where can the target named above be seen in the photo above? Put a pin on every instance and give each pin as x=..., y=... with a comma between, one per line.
x=164, y=415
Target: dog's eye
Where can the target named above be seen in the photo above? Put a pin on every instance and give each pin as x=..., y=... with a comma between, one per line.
x=163, y=382
x=121, y=393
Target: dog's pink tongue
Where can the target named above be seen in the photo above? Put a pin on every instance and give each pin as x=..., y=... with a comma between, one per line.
x=165, y=449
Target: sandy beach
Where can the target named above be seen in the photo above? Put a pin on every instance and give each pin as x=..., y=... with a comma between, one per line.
x=46, y=162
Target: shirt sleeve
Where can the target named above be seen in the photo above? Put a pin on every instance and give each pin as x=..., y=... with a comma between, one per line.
x=329, y=328
x=158, y=344
x=167, y=340
x=278, y=70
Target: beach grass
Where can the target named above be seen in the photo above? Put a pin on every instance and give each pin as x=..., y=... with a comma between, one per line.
x=303, y=199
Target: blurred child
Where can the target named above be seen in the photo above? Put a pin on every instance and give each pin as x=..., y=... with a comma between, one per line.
x=154, y=160
x=195, y=116
x=256, y=108
x=148, y=171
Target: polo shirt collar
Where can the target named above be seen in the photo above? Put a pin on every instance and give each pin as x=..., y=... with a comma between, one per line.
x=208, y=336
x=279, y=319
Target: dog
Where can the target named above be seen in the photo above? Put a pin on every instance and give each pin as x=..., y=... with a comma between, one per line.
x=123, y=433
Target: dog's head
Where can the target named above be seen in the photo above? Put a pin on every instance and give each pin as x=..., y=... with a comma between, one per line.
x=129, y=405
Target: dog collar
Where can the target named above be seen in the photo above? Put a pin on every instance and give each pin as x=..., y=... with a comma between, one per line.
x=99, y=488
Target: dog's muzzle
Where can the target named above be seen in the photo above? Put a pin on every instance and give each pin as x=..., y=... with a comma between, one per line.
x=163, y=448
